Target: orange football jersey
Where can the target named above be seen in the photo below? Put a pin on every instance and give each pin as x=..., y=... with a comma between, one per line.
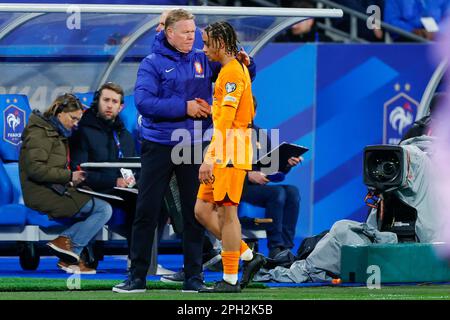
x=233, y=112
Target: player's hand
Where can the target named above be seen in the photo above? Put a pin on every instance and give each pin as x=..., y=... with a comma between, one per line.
x=293, y=161
x=243, y=57
x=205, y=174
x=198, y=110
x=203, y=103
x=257, y=177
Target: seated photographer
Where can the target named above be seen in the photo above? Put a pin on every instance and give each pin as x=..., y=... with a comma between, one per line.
x=102, y=137
x=49, y=184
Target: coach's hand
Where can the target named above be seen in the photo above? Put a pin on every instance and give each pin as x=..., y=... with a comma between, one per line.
x=205, y=174
x=198, y=110
x=243, y=57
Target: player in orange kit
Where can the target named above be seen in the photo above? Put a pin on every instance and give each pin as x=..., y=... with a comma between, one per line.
x=229, y=155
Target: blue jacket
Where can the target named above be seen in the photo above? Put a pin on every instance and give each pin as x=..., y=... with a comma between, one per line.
x=406, y=14
x=166, y=80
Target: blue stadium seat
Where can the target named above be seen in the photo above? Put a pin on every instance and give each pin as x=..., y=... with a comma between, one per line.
x=14, y=113
x=248, y=210
x=129, y=115
x=247, y=213
x=10, y=214
x=85, y=98
x=32, y=217
x=13, y=215
x=5, y=187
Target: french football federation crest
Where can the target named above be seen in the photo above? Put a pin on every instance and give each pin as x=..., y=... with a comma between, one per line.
x=399, y=115
x=230, y=87
x=13, y=124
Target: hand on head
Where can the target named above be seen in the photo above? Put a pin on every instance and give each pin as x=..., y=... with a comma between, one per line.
x=243, y=57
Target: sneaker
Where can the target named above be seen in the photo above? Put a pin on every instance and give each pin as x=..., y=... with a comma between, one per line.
x=130, y=286
x=211, y=258
x=161, y=271
x=222, y=287
x=79, y=268
x=62, y=247
x=176, y=277
x=251, y=268
x=194, y=284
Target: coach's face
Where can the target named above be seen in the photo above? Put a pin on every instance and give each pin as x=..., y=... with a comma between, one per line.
x=181, y=35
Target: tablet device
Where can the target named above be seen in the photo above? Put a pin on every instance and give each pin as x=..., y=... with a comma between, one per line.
x=277, y=158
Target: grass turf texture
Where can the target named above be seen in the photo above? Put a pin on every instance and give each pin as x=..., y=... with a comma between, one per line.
x=56, y=289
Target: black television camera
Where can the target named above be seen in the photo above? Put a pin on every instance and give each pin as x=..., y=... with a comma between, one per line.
x=385, y=171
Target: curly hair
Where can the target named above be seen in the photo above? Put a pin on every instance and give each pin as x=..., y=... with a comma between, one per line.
x=223, y=32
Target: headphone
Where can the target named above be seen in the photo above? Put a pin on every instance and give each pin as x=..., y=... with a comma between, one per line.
x=65, y=103
x=96, y=99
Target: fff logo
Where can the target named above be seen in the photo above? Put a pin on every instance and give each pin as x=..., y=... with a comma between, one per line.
x=398, y=116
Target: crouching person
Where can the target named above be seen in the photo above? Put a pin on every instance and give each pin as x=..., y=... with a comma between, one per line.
x=49, y=186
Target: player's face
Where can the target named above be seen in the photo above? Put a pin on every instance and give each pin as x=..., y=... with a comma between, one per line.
x=109, y=104
x=210, y=51
x=181, y=35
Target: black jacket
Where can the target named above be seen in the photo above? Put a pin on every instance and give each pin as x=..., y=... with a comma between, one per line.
x=93, y=141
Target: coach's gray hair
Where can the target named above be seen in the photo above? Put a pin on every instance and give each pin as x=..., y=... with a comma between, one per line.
x=176, y=15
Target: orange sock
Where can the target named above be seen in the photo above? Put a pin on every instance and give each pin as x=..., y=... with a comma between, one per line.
x=243, y=247
x=230, y=261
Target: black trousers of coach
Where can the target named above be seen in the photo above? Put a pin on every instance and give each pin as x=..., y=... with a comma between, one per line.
x=156, y=172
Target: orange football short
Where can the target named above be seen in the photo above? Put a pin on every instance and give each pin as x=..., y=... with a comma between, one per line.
x=226, y=189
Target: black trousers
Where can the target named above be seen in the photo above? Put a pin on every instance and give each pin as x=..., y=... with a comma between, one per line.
x=157, y=169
